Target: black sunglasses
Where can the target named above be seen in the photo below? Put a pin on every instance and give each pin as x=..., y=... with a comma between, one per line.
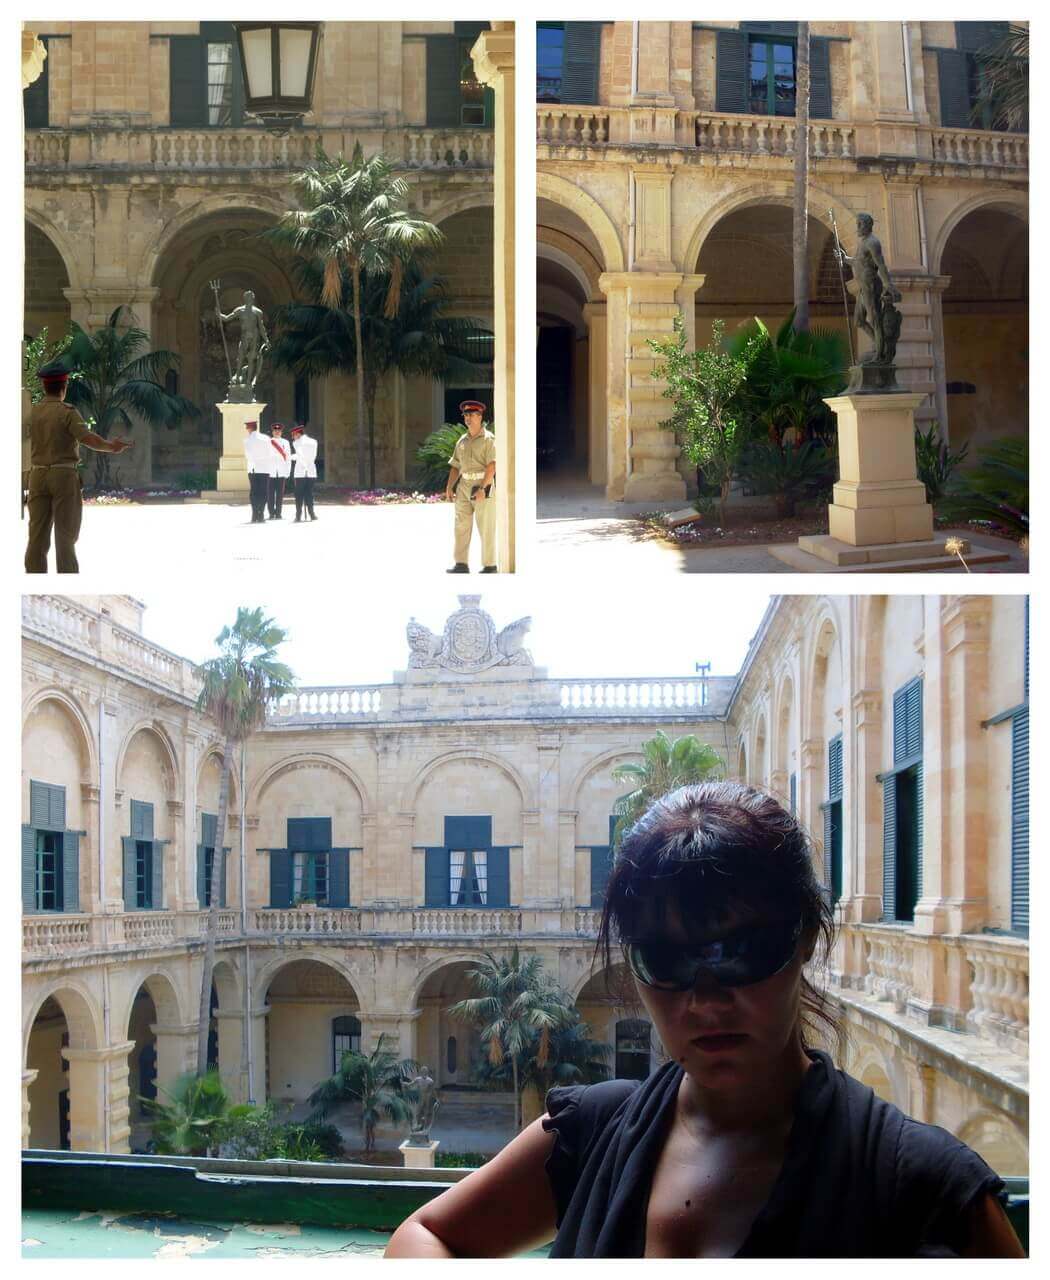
x=743, y=957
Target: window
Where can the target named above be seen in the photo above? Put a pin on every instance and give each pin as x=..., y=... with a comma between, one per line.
x=50, y=853
x=143, y=855
x=468, y=870
x=455, y=97
x=36, y=105
x=601, y=865
x=302, y=400
x=568, y=58
x=468, y=877
x=143, y=874
x=206, y=88
x=220, y=66
x=902, y=809
x=832, y=809
x=451, y=1057
x=309, y=869
x=550, y=55
x=772, y=76
x=960, y=76
x=346, y=1038
x=633, y=1049
x=48, y=871
x=310, y=878
x=755, y=66
x=206, y=862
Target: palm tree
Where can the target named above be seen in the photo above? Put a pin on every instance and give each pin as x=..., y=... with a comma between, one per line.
x=354, y=219
x=237, y=687
x=1003, y=68
x=517, y=1010
x=572, y=1057
x=375, y=1080
x=996, y=489
x=800, y=203
x=118, y=376
x=667, y=766
x=188, y=1124
x=418, y=339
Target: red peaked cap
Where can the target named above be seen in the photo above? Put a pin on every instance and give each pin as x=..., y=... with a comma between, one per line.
x=252, y=423
x=472, y=406
x=296, y=430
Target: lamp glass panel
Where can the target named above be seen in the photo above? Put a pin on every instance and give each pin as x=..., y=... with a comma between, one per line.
x=258, y=64
x=294, y=45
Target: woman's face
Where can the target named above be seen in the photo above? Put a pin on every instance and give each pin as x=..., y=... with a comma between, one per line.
x=722, y=1035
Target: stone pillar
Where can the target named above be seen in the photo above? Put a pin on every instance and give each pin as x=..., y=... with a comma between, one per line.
x=493, y=56
x=865, y=900
x=810, y=784
x=542, y=884
x=400, y=1030
x=231, y=481
x=614, y=286
x=233, y=1070
x=27, y=1079
x=91, y=901
x=98, y=1098
x=176, y=1051
x=598, y=432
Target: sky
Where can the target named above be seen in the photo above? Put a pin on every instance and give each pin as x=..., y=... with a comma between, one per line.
x=343, y=637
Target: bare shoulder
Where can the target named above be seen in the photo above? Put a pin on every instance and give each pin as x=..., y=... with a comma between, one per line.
x=989, y=1233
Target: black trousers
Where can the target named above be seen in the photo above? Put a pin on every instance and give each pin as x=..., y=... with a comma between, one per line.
x=304, y=496
x=275, y=496
x=257, y=486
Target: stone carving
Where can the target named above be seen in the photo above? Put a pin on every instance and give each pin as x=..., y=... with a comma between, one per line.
x=470, y=642
x=425, y=1102
x=253, y=346
x=874, y=312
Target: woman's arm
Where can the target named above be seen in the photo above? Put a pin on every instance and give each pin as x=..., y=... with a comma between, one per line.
x=502, y=1209
x=989, y=1233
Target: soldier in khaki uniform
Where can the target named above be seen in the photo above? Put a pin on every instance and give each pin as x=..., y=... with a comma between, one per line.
x=56, y=432
x=471, y=478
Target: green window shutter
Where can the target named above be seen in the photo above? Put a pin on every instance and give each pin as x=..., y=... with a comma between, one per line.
x=976, y=37
x=499, y=876
x=280, y=878
x=209, y=829
x=70, y=870
x=436, y=878
x=202, y=884
x=57, y=808
x=443, y=91
x=819, y=78
x=829, y=835
x=953, y=84
x=920, y=822
x=601, y=865
x=468, y=833
x=835, y=768
x=141, y=820
x=157, y=869
x=187, y=87
x=914, y=718
x=789, y=29
x=339, y=878
x=36, y=98
x=127, y=845
x=581, y=62
x=29, y=870
x=907, y=721
x=310, y=835
x=1019, y=824
x=1026, y=599
x=47, y=806
x=731, y=71
x=222, y=882
x=889, y=848
x=793, y=793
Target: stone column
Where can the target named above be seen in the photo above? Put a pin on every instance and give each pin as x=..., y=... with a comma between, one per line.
x=614, y=286
x=598, y=433
x=865, y=901
x=27, y=1079
x=810, y=783
x=398, y=1027
x=493, y=56
x=176, y=1051
x=233, y=1070
x=98, y=1098
x=91, y=901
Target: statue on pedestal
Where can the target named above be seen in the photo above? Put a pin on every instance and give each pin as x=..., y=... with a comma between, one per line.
x=252, y=348
x=874, y=312
x=425, y=1102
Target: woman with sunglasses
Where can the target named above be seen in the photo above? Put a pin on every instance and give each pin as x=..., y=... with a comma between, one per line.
x=748, y=1142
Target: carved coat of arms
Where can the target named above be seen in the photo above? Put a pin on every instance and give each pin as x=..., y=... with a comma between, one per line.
x=470, y=642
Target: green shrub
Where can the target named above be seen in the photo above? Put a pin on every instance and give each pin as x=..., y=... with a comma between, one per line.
x=995, y=490
x=196, y=480
x=433, y=454
x=791, y=472
x=935, y=462
x=460, y=1159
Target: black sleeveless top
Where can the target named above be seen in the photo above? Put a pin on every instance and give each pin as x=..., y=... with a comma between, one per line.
x=860, y=1179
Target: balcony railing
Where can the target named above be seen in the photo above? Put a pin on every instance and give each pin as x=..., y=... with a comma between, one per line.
x=980, y=147
x=49, y=935
x=226, y=150
x=999, y=989
x=319, y=920
x=587, y=920
x=655, y=695
x=572, y=126
x=329, y=702
x=439, y=922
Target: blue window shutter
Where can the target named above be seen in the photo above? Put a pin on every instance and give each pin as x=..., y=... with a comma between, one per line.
x=920, y=822
x=581, y=63
x=29, y=870
x=819, y=78
x=828, y=836
x=976, y=37
x=914, y=729
x=953, y=82
x=209, y=829
x=889, y=848
x=601, y=864
x=127, y=845
x=202, y=883
x=280, y=878
x=788, y=29
x=835, y=768
x=222, y=873
x=187, y=82
x=443, y=91
x=436, y=878
x=1026, y=599
x=39, y=806
x=1019, y=824
x=309, y=835
x=141, y=820
x=157, y=869
x=57, y=808
x=731, y=71
x=70, y=871
x=900, y=718
x=468, y=832
x=907, y=721
x=793, y=791
x=339, y=878
x=499, y=876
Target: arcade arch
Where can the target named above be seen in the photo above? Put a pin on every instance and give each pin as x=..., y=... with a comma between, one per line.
x=305, y=998
x=59, y=1099
x=46, y=283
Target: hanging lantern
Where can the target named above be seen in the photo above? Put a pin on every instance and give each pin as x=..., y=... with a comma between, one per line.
x=279, y=62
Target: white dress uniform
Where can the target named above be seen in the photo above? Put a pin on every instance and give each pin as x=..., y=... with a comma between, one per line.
x=305, y=474
x=257, y=451
x=281, y=448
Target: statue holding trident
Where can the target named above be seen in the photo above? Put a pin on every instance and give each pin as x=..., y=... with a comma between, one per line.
x=253, y=346
x=874, y=311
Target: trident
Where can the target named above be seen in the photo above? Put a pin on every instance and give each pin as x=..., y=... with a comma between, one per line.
x=218, y=311
x=842, y=281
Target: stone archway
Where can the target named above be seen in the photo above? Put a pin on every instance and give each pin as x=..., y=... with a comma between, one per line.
x=63, y=1093
x=609, y=1005
x=47, y=281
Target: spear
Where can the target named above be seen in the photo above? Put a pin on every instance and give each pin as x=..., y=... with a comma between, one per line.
x=842, y=282
x=218, y=311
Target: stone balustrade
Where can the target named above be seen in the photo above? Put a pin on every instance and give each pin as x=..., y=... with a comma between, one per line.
x=890, y=972
x=55, y=935
x=999, y=989
x=634, y=695
x=769, y=135
x=983, y=147
x=445, y=922
x=586, y=920
x=328, y=702
x=61, y=618
x=572, y=126
x=149, y=928
x=310, y=920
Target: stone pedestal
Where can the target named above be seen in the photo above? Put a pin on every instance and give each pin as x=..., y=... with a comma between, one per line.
x=231, y=481
x=418, y=1157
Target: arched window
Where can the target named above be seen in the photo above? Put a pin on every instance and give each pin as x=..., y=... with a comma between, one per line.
x=632, y=1049
x=346, y=1038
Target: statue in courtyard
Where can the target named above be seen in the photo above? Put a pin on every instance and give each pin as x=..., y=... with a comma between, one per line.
x=423, y=1093
x=253, y=346
x=874, y=312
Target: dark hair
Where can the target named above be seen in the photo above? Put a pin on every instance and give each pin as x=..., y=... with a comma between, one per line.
x=710, y=847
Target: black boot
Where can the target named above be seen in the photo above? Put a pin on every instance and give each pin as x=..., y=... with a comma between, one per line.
x=490, y=568
x=458, y=568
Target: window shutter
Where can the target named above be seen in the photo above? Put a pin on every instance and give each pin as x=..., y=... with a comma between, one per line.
x=280, y=878
x=976, y=37
x=793, y=792
x=310, y=835
x=914, y=718
x=187, y=89
x=907, y=722
x=141, y=820
x=29, y=870
x=826, y=810
x=499, y=876
x=436, y=879
x=202, y=884
x=731, y=71
x=339, y=878
x=127, y=845
x=47, y=807
x=468, y=833
x=56, y=808
x=889, y=848
x=469, y=28
x=157, y=869
x=581, y=61
x=36, y=98
x=70, y=870
x=601, y=864
x=920, y=820
x=771, y=28
x=1026, y=600
x=819, y=78
x=1019, y=824
x=443, y=91
x=222, y=882
x=209, y=829
x=835, y=768
x=953, y=83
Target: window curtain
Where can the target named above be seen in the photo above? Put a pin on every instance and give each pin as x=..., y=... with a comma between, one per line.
x=481, y=875
x=457, y=857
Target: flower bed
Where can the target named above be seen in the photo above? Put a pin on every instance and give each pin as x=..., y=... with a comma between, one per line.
x=128, y=497
x=748, y=532
x=377, y=497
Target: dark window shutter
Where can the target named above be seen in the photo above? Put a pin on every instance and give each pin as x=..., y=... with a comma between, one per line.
x=953, y=83
x=157, y=871
x=36, y=98
x=436, y=879
x=280, y=878
x=309, y=835
x=339, y=878
x=468, y=833
x=581, y=62
x=127, y=845
x=914, y=722
x=731, y=71
x=835, y=768
x=443, y=91
x=613, y=820
x=907, y=722
x=202, y=883
x=209, y=829
x=499, y=876
x=475, y=29
x=29, y=869
x=771, y=28
x=56, y=808
x=1026, y=599
x=222, y=881
x=819, y=78
x=793, y=792
x=920, y=821
x=70, y=871
x=47, y=806
x=601, y=864
x=976, y=37
x=141, y=820
x=188, y=96
x=889, y=848
x=1019, y=824
x=828, y=837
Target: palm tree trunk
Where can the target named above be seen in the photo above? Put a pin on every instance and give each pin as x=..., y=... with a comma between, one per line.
x=360, y=377
x=517, y=1094
x=212, y=927
x=800, y=211
x=370, y=412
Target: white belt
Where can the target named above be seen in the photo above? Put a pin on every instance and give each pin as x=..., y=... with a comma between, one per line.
x=472, y=475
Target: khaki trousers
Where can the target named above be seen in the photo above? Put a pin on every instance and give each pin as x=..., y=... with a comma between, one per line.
x=54, y=501
x=467, y=512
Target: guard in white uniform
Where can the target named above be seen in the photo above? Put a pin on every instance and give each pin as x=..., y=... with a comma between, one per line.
x=305, y=457
x=282, y=459
x=257, y=453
